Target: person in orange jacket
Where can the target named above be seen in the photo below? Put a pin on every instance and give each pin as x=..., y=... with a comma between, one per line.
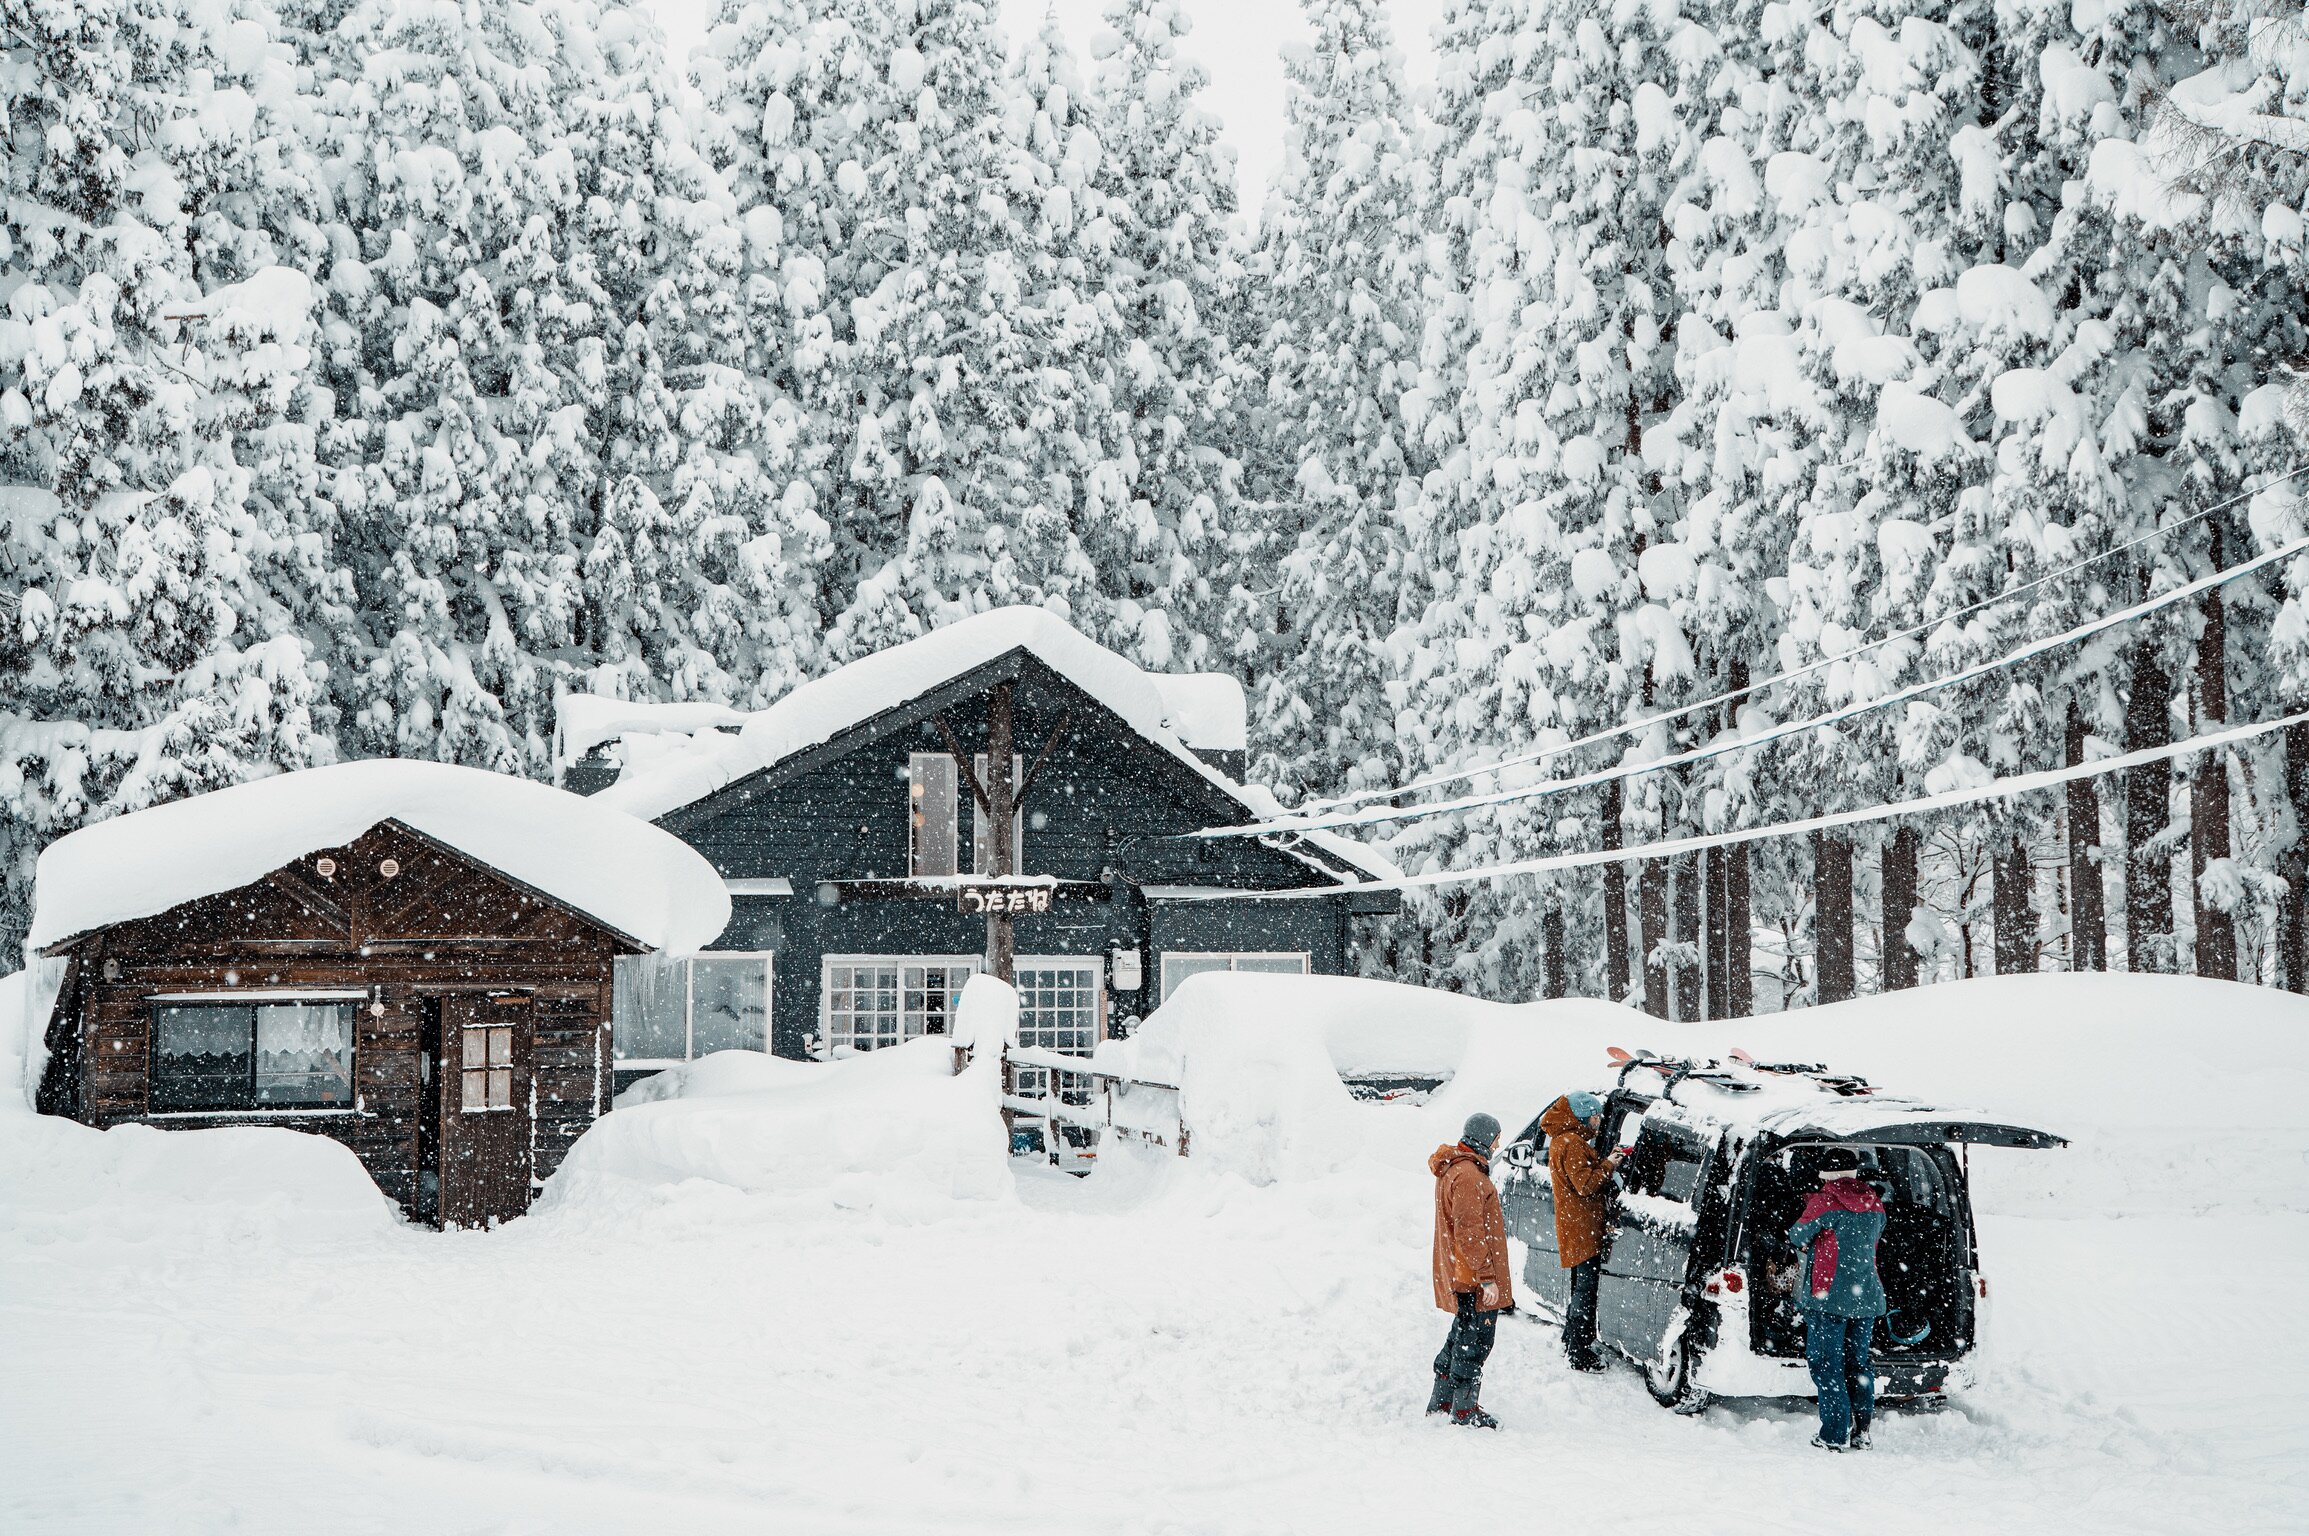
x=1581, y=1179
x=1471, y=1269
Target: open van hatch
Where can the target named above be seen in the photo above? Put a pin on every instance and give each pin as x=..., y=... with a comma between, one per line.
x=1921, y=1132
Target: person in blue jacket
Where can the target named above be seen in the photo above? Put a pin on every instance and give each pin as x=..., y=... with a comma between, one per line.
x=1838, y=1288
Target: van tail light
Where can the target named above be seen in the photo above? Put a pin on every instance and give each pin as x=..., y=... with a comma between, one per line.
x=1726, y=1280
x=1982, y=1282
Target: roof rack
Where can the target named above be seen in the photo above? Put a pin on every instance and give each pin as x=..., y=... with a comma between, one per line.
x=1677, y=1069
x=1848, y=1084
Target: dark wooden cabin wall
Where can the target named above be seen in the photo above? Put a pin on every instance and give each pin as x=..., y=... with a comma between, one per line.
x=456, y=926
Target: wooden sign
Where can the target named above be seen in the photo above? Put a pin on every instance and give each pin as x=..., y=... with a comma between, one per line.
x=985, y=899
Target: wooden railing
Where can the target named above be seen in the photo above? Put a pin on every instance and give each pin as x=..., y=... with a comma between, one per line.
x=1116, y=1107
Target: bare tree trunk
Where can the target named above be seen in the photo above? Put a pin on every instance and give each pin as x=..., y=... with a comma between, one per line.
x=1615, y=900
x=2295, y=938
x=1832, y=916
x=1555, y=981
x=1687, y=1001
x=2088, y=906
x=1739, y=923
x=1713, y=868
x=2148, y=795
x=1899, y=906
x=1652, y=920
x=2008, y=893
x=2209, y=789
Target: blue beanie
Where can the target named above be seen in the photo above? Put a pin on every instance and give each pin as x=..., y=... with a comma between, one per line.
x=1584, y=1106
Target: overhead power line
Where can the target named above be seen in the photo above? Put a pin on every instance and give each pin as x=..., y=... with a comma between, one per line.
x=1371, y=815
x=1994, y=789
x=1361, y=797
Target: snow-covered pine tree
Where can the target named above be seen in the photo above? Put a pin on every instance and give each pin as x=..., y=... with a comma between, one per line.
x=1337, y=268
x=1166, y=532
x=164, y=577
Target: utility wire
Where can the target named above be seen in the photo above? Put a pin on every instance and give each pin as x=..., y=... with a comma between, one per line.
x=1387, y=813
x=1994, y=789
x=1321, y=807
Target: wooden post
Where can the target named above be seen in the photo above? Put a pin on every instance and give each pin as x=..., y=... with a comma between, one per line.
x=2209, y=788
x=1002, y=816
x=2088, y=948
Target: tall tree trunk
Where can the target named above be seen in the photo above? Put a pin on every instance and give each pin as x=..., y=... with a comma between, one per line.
x=1652, y=920
x=1615, y=900
x=1899, y=906
x=2148, y=796
x=1718, y=943
x=2088, y=906
x=1739, y=925
x=2209, y=789
x=1556, y=979
x=2009, y=877
x=1687, y=1000
x=1832, y=916
x=2295, y=937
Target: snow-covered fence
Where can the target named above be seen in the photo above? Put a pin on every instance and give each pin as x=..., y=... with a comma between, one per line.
x=1036, y=1090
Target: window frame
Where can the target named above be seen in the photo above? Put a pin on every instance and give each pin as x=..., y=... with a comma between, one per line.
x=1306, y=959
x=249, y=1004
x=919, y=813
x=975, y=964
x=689, y=1006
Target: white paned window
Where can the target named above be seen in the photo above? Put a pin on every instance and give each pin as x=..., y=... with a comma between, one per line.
x=982, y=827
x=1061, y=1007
x=674, y=1008
x=1178, y=965
x=868, y=1002
x=931, y=789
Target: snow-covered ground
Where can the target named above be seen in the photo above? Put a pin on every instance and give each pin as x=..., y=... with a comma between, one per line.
x=698, y=1332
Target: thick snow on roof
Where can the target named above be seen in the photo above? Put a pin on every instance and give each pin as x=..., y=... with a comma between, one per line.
x=825, y=707
x=1207, y=710
x=619, y=870
x=584, y=721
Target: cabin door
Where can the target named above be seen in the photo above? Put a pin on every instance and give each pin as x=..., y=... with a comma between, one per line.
x=484, y=1107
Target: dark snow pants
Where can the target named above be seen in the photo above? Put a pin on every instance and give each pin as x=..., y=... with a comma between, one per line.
x=1836, y=1348
x=1579, y=1317
x=1466, y=1348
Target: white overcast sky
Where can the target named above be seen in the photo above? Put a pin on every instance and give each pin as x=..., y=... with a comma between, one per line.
x=1236, y=40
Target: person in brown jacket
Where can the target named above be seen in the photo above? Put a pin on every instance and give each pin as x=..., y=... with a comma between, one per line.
x=1471, y=1269
x=1581, y=1179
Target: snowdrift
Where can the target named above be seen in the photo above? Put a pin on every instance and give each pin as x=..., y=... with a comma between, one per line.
x=129, y=1183
x=893, y=1132
x=2177, y=1094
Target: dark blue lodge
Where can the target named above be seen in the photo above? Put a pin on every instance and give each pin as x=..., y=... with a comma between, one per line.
x=848, y=836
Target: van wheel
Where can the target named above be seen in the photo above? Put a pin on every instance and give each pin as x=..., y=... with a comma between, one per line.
x=1670, y=1382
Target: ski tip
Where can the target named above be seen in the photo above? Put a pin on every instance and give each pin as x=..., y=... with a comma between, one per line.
x=1742, y=1057
x=1615, y=1055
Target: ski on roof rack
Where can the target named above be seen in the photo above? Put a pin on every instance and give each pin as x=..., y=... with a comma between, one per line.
x=1849, y=1084
x=1676, y=1069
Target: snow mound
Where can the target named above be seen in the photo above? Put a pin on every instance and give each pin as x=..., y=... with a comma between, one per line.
x=2140, y=1072
x=634, y=877
x=893, y=1132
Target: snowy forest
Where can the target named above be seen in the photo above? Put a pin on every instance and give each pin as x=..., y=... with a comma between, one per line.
x=374, y=371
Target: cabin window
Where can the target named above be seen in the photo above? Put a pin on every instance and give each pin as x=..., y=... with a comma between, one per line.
x=486, y=1066
x=678, y=1008
x=1178, y=965
x=1061, y=1006
x=873, y=1001
x=931, y=790
x=228, y=1056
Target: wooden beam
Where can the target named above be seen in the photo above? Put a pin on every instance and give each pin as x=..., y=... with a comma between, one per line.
x=1034, y=769
x=963, y=766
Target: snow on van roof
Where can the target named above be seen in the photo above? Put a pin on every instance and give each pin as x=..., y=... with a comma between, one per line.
x=615, y=868
x=583, y=721
x=1176, y=713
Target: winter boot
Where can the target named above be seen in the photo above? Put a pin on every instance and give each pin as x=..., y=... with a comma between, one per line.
x=1585, y=1360
x=1826, y=1444
x=1467, y=1413
x=1439, y=1400
x=1859, y=1440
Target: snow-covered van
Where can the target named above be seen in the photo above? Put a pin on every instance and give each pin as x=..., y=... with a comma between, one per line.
x=1698, y=1285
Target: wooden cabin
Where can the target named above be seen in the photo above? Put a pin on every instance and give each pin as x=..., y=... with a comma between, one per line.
x=427, y=979
x=847, y=823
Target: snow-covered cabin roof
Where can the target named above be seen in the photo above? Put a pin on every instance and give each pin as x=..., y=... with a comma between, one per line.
x=1177, y=713
x=583, y=721
x=617, y=869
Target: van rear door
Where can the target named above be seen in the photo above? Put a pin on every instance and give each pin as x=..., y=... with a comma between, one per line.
x=1986, y=1133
